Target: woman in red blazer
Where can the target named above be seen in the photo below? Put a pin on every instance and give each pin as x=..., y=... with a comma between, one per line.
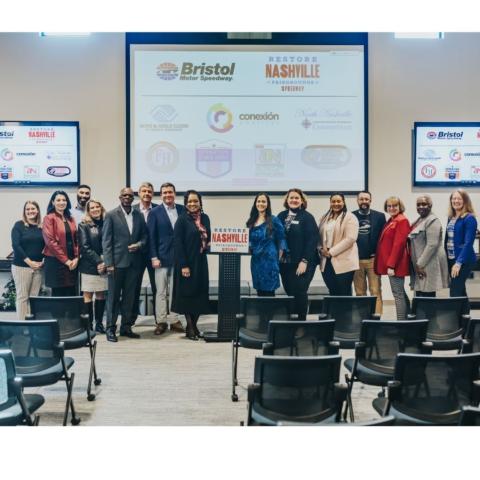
x=61, y=246
x=392, y=258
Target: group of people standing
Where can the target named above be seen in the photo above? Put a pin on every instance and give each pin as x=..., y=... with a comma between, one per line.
x=111, y=251
x=359, y=247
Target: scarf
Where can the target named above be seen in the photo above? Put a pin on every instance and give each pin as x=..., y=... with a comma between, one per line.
x=201, y=229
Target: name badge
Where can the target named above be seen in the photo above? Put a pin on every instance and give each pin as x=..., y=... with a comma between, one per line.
x=295, y=222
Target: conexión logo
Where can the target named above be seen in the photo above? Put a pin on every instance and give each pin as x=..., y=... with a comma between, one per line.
x=219, y=118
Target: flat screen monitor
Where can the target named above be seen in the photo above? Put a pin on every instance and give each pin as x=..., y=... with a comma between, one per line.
x=39, y=153
x=446, y=154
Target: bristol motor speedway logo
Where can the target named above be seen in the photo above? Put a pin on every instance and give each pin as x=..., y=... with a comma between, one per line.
x=167, y=71
x=431, y=135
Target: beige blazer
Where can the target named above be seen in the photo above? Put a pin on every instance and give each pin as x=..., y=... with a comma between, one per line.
x=344, y=248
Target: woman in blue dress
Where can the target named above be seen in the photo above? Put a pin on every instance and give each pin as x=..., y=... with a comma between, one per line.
x=267, y=244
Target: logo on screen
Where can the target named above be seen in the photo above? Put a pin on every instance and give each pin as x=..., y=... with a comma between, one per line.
x=7, y=155
x=431, y=135
x=270, y=160
x=306, y=123
x=167, y=71
x=31, y=171
x=162, y=157
x=6, y=173
x=219, y=118
x=59, y=171
x=455, y=155
x=478, y=134
x=475, y=172
x=163, y=113
x=452, y=173
x=6, y=134
x=213, y=158
x=429, y=155
x=428, y=171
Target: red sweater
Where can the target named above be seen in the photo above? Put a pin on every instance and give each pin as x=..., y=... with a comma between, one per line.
x=392, y=247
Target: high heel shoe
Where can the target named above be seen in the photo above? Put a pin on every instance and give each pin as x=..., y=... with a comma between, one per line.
x=191, y=335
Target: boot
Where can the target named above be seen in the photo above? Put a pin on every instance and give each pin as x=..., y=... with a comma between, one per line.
x=190, y=332
x=197, y=332
x=88, y=310
x=99, y=309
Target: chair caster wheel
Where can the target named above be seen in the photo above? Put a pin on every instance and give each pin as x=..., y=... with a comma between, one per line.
x=76, y=421
x=98, y=381
x=91, y=397
x=234, y=397
x=242, y=423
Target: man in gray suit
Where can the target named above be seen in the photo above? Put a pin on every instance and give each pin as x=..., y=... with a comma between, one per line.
x=124, y=237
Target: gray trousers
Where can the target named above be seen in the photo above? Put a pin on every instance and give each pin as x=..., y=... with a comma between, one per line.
x=164, y=283
x=402, y=302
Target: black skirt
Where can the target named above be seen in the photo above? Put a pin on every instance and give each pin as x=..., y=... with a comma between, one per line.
x=57, y=274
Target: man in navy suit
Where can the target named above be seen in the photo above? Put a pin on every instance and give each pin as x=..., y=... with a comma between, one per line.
x=160, y=223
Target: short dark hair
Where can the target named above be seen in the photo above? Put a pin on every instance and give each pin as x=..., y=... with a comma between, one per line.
x=167, y=184
x=84, y=185
x=364, y=191
x=51, y=208
x=194, y=192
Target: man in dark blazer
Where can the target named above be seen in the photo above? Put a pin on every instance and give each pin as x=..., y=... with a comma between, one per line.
x=160, y=223
x=145, y=206
x=371, y=223
x=124, y=238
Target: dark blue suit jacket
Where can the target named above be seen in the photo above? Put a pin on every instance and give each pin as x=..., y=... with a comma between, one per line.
x=160, y=233
x=463, y=239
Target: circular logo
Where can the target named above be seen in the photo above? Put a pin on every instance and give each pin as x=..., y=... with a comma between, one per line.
x=455, y=155
x=431, y=135
x=162, y=157
x=6, y=155
x=219, y=118
x=167, y=71
x=428, y=171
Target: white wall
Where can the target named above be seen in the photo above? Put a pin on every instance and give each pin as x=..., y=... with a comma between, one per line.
x=84, y=79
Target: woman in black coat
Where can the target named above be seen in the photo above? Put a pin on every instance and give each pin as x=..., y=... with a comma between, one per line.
x=191, y=239
x=92, y=266
x=297, y=266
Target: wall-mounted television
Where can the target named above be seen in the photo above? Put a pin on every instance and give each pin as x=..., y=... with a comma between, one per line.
x=446, y=154
x=39, y=154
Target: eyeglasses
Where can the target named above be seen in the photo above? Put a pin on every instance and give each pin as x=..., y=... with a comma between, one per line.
x=393, y=206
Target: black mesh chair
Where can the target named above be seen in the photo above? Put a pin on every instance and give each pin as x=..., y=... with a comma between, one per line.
x=251, y=325
x=300, y=338
x=431, y=389
x=74, y=327
x=377, y=350
x=39, y=356
x=296, y=389
x=447, y=323
x=471, y=342
x=387, y=421
x=348, y=313
x=15, y=407
x=470, y=417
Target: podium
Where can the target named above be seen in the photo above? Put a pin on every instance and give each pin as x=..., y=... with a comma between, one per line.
x=228, y=296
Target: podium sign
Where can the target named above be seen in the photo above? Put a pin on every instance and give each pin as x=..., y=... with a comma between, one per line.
x=229, y=240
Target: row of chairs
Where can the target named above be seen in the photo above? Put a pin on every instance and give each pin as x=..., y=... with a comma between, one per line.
x=376, y=349
x=37, y=346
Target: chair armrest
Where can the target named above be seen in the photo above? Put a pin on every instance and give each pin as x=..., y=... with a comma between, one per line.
x=253, y=388
x=323, y=316
x=476, y=393
x=333, y=347
x=85, y=321
x=17, y=386
x=394, y=393
x=467, y=346
x=464, y=322
x=340, y=392
x=411, y=316
x=375, y=316
x=60, y=347
x=29, y=316
x=239, y=322
x=360, y=349
x=294, y=316
x=426, y=348
x=268, y=348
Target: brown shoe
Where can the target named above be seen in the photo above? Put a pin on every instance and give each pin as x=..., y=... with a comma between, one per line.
x=160, y=328
x=177, y=327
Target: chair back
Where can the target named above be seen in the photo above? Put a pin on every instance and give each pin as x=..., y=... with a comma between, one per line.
x=297, y=387
x=66, y=310
x=473, y=335
x=435, y=388
x=444, y=315
x=7, y=373
x=386, y=339
x=258, y=311
x=34, y=344
x=300, y=338
x=348, y=313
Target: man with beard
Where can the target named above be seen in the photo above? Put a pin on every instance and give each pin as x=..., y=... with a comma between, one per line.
x=83, y=196
x=124, y=240
x=371, y=223
x=145, y=206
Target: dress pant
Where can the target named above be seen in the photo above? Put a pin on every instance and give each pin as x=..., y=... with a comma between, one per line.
x=366, y=273
x=458, y=284
x=27, y=284
x=297, y=286
x=138, y=289
x=121, y=285
x=402, y=302
x=337, y=283
x=164, y=289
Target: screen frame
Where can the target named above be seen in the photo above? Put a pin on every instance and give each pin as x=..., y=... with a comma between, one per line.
x=354, y=38
x=446, y=184
x=46, y=123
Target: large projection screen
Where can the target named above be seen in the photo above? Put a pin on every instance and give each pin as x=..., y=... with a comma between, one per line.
x=234, y=119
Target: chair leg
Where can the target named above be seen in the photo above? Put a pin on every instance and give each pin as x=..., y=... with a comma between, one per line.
x=349, y=404
x=36, y=421
x=69, y=379
x=234, y=369
x=93, y=371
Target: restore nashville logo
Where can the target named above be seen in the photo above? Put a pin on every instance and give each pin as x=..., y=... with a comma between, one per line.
x=292, y=72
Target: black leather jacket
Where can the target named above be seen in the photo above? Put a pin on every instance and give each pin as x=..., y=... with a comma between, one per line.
x=90, y=240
